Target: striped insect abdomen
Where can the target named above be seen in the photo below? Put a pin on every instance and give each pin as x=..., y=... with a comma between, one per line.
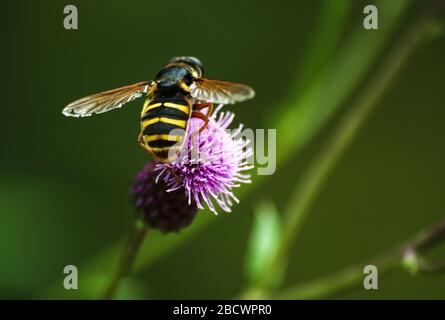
x=164, y=125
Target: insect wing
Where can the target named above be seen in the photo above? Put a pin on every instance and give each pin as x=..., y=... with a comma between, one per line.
x=220, y=92
x=105, y=101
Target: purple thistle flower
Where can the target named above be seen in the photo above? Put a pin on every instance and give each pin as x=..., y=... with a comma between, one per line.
x=210, y=165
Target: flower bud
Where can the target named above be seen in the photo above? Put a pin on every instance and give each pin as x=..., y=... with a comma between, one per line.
x=159, y=209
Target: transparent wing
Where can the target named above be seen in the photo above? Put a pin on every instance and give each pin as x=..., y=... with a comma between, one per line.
x=105, y=101
x=220, y=92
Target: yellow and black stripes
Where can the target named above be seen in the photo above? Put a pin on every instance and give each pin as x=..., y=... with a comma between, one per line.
x=164, y=124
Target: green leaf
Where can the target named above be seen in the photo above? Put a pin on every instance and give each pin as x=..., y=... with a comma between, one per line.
x=264, y=241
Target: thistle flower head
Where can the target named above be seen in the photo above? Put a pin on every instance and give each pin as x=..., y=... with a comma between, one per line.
x=211, y=164
x=166, y=211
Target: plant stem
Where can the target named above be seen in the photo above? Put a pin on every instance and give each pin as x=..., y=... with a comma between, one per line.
x=315, y=177
x=127, y=259
x=386, y=263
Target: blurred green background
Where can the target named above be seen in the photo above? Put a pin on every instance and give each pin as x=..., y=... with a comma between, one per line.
x=64, y=181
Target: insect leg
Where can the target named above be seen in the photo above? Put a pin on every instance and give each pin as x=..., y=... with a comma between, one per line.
x=203, y=117
x=200, y=106
x=174, y=174
x=141, y=142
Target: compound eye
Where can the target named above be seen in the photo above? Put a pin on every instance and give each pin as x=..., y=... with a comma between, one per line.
x=192, y=61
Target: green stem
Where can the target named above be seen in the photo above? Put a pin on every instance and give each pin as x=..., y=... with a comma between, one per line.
x=127, y=259
x=386, y=263
x=342, y=137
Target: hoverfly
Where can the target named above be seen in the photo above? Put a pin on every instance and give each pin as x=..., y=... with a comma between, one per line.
x=177, y=93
